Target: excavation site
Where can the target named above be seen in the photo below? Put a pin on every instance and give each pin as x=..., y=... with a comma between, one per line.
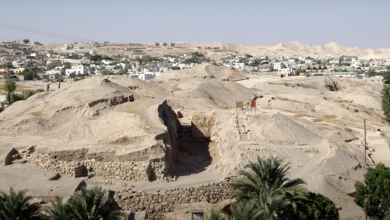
x=178, y=140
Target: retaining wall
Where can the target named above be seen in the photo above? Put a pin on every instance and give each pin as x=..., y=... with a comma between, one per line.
x=163, y=201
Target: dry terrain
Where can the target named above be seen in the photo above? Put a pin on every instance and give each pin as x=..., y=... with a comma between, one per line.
x=215, y=50
x=181, y=132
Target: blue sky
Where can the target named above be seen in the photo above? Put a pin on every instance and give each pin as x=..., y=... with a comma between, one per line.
x=358, y=23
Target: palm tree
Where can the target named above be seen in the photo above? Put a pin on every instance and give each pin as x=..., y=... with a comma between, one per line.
x=87, y=204
x=60, y=211
x=267, y=174
x=273, y=205
x=9, y=87
x=214, y=215
x=247, y=210
x=16, y=206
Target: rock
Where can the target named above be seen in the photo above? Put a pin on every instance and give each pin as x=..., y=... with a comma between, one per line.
x=56, y=176
x=80, y=185
x=36, y=201
x=9, y=157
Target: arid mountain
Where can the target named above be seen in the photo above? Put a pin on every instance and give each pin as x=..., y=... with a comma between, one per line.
x=295, y=48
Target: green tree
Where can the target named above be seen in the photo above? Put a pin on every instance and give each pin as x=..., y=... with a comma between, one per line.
x=315, y=207
x=72, y=75
x=87, y=204
x=8, y=65
x=66, y=67
x=91, y=70
x=377, y=181
x=267, y=174
x=9, y=87
x=26, y=41
x=29, y=75
x=386, y=101
x=16, y=206
x=107, y=72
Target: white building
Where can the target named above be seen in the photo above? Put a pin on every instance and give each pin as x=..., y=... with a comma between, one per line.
x=19, y=63
x=356, y=64
x=291, y=61
x=375, y=79
x=53, y=72
x=78, y=70
x=147, y=75
x=278, y=66
x=342, y=74
x=106, y=62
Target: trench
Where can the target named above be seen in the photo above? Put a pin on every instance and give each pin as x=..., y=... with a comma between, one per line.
x=194, y=150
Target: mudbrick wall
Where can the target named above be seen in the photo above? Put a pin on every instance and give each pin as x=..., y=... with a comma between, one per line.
x=163, y=201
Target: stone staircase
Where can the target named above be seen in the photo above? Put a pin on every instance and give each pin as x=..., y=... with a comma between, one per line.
x=378, y=147
x=242, y=127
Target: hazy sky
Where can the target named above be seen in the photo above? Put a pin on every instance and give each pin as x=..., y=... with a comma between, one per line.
x=350, y=23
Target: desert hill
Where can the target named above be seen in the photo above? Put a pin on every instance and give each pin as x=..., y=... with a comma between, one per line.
x=217, y=49
x=295, y=48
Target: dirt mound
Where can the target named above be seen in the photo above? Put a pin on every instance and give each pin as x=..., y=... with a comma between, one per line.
x=278, y=128
x=174, y=75
x=222, y=73
x=222, y=94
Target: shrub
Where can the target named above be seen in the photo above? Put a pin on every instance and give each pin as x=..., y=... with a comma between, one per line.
x=316, y=207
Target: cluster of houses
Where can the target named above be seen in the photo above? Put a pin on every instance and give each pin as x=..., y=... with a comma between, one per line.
x=142, y=66
x=53, y=65
x=341, y=67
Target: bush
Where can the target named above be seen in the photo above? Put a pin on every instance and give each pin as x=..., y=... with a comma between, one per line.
x=316, y=207
x=108, y=72
x=175, y=68
x=17, y=97
x=29, y=92
x=8, y=65
x=28, y=74
x=72, y=75
x=99, y=58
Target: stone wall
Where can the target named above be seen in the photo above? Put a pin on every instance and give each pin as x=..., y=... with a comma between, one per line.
x=163, y=201
x=202, y=124
x=130, y=171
